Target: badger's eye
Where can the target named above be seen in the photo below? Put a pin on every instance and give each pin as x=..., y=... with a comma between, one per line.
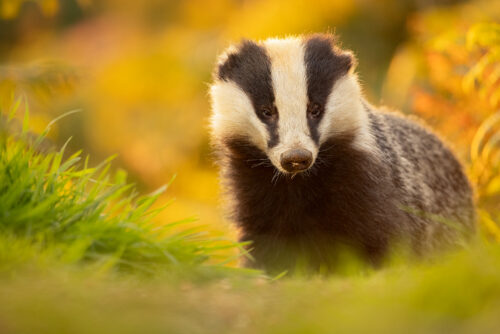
x=314, y=110
x=267, y=112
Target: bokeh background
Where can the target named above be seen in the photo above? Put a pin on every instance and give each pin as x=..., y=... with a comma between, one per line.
x=139, y=73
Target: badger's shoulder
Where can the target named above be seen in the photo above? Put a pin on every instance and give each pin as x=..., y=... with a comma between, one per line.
x=422, y=165
x=407, y=136
x=400, y=128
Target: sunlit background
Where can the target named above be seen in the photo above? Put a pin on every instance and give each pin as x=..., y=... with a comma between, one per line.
x=139, y=72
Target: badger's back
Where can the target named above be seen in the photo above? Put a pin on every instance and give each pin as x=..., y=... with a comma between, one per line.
x=431, y=184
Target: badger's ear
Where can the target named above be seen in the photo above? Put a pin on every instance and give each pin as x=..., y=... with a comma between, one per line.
x=347, y=60
x=325, y=50
x=241, y=61
x=226, y=63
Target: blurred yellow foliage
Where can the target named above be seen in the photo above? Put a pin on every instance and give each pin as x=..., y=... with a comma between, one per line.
x=9, y=9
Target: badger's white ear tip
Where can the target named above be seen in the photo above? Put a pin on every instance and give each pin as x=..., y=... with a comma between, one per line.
x=354, y=60
x=225, y=54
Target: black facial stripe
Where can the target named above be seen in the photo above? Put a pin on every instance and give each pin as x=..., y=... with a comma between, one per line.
x=323, y=67
x=274, y=137
x=250, y=69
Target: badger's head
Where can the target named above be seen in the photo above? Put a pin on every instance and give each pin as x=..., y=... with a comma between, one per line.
x=287, y=97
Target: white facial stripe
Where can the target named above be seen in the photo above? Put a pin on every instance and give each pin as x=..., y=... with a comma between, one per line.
x=288, y=74
x=234, y=115
x=341, y=114
x=344, y=113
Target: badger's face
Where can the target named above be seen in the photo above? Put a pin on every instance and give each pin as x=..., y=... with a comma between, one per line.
x=286, y=97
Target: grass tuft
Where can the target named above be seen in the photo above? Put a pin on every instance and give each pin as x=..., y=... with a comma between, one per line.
x=87, y=214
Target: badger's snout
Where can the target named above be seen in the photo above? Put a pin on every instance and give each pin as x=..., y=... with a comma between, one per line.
x=296, y=160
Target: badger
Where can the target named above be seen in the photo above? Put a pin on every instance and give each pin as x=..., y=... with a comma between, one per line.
x=311, y=168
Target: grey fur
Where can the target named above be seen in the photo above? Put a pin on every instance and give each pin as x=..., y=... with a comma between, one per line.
x=431, y=185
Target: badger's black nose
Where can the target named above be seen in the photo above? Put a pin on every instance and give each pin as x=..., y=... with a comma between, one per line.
x=296, y=160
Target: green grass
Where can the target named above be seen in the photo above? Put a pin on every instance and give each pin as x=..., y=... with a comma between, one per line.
x=79, y=253
x=460, y=294
x=85, y=215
